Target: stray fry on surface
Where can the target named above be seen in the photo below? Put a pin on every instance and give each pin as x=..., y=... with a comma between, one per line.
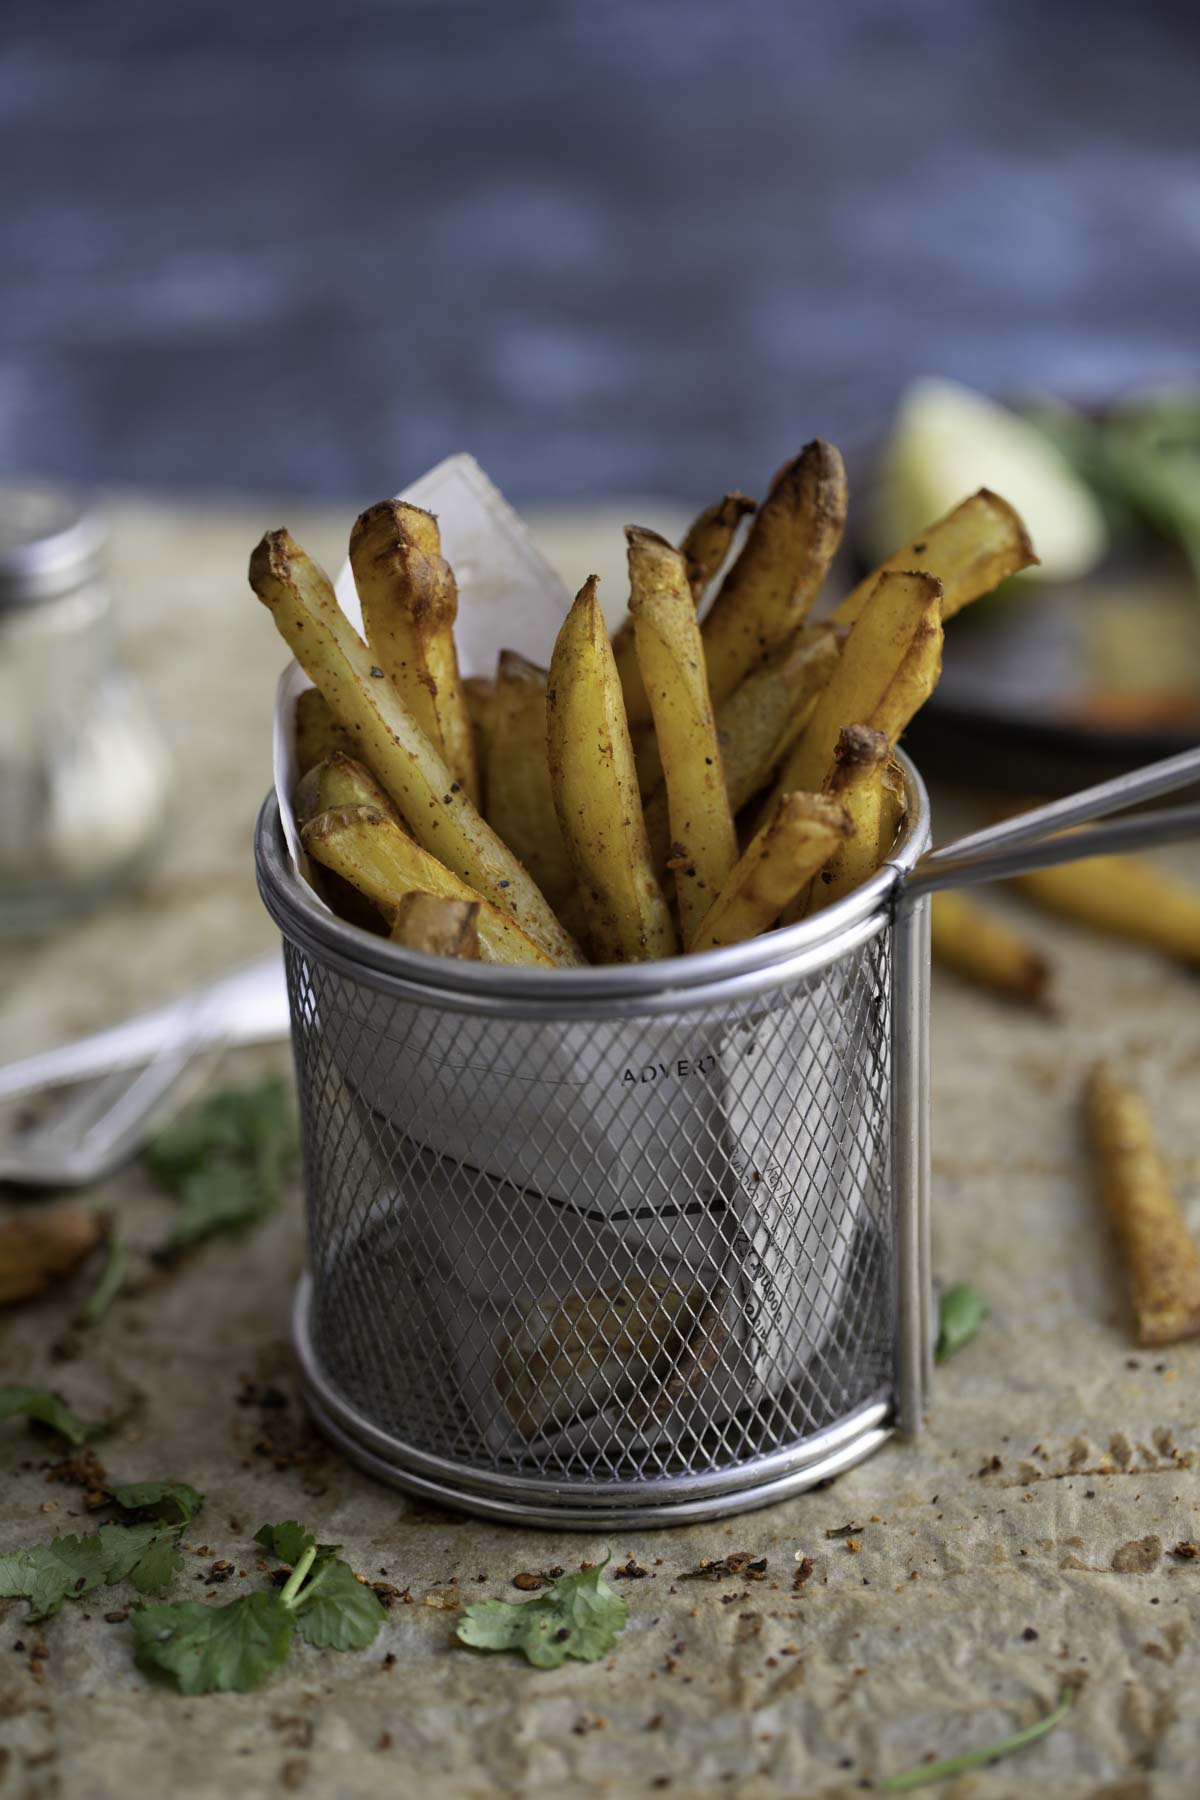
x=40, y=1249
x=370, y=851
x=1124, y=895
x=860, y=757
x=317, y=732
x=703, y=838
x=971, y=551
x=409, y=604
x=759, y=721
x=1161, y=1260
x=888, y=665
x=797, y=840
x=596, y=793
x=778, y=575
x=387, y=738
x=438, y=926
x=985, y=949
x=517, y=776
x=704, y=549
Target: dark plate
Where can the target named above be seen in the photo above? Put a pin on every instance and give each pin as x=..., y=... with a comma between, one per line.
x=1034, y=681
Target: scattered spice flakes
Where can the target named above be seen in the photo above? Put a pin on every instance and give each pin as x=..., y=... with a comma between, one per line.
x=845, y=1531
x=386, y=1592
x=853, y=1545
x=804, y=1569
x=528, y=1582
x=991, y=1466
x=742, y=1565
x=1187, y=1550
x=384, y=1741
x=630, y=1570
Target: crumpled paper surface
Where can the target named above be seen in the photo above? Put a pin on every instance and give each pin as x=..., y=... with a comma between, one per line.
x=1054, y=1445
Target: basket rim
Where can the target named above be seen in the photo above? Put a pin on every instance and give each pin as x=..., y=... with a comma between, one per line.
x=739, y=970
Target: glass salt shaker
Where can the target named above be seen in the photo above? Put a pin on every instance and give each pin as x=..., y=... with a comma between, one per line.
x=83, y=775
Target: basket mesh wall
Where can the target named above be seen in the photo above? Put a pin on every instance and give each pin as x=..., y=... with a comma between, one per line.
x=600, y=1250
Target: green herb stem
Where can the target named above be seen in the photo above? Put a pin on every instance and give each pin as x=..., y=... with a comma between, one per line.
x=112, y=1280
x=296, y=1578
x=973, y=1759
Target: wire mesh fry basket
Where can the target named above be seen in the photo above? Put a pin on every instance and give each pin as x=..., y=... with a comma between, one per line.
x=640, y=1244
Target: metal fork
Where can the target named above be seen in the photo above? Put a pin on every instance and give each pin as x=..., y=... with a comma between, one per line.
x=104, y=1121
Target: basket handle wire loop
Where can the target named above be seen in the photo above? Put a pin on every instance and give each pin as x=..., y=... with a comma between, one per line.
x=1045, y=836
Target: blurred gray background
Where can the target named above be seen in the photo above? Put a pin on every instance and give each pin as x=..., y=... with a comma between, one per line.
x=610, y=248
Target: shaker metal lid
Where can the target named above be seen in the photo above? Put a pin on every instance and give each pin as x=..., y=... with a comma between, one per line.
x=50, y=542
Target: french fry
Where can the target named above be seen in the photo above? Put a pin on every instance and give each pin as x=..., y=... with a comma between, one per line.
x=971, y=551
x=338, y=781
x=797, y=840
x=39, y=1248
x=1162, y=1265
x=703, y=839
x=707, y=539
x=409, y=605
x=1125, y=896
x=888, y=666
x=894, y=808
x=704, y=548
x=370, y=851
x=984, y=948
x=438, y=926
x=317, y=732
x=778, y=575
x=596, y=795
x=517, y=774
x=758, y=723
x=859, y=758
x=479, y=692
x=387, y=738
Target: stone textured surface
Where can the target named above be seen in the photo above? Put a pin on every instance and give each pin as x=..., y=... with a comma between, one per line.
x=617, y=248
x=918, y=1643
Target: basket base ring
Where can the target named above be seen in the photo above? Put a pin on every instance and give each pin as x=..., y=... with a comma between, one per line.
x=386, y=1460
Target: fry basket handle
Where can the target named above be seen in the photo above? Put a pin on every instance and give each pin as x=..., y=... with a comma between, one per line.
x=1044, y=836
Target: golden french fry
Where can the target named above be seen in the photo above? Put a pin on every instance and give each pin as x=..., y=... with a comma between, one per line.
x=984, y=948
x=894, y=808
x=370, y=851
x=517, y=772
x=409, y=605
x=317, y=732
x=758, y=723
x=707, y=539
x=1162, y=1265
x=971, y=551
x=1124, y=895
x=797, y=840
x=387, y=738
x=338, y=781
x=888, y=666
x=438, y=926
x=859, y=760
x=778, y=575
x=596, y=794
x=39, y=1248
x=703, y=839
x=479, y=692
x=704, y=548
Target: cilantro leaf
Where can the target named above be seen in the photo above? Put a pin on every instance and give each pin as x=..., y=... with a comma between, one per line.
x=209, y=1648
x=335, y=1610
x=137, y=1496
x=579, y=1616
x=147, y=1554
x=46, y=1576
x=225, y=1160
x=961, y=1311
x=289, y=1541
x=41, y=1404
